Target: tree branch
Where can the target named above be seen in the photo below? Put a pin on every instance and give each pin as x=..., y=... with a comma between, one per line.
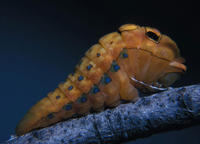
x=169, y=110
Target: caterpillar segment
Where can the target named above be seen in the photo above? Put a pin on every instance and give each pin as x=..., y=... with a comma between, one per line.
x=100, y=57
x=110, y=91
x=110, y=71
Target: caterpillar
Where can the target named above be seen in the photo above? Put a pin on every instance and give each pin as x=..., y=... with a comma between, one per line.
x=112, y=71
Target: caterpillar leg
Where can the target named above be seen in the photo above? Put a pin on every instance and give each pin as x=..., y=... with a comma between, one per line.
x=82, y=105
x=111, y=94
x=127, y=91
x=97, y=101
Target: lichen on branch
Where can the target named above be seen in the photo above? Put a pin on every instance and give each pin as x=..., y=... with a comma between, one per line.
x=169, y=110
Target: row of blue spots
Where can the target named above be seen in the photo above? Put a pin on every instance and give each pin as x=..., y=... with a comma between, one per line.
x=66, y=107
x=80, y=78
x=106, y=79
x=93, y=90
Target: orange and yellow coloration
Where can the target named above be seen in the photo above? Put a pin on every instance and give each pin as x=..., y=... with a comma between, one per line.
x=112, y=70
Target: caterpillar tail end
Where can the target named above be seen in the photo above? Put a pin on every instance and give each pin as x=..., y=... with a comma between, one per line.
x=23, y=126
x=32, y=120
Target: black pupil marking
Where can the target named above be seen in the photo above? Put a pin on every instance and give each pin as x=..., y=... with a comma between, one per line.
x=57, y=97
x=152, y=35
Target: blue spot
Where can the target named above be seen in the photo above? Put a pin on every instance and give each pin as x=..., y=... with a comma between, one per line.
x=95, y=90
x=70, y=87
x=107, y=79
x=83, y=99
x=68, y=107
x=57, y=97
x=80, y=78
x=98, y=54
x=125, y=55
x=50, y=116
x=116, y=67
x=89, y=67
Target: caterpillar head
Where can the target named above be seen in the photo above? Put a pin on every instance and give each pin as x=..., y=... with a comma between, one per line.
x=159, y=46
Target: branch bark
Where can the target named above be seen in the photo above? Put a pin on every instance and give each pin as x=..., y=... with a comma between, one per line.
x=170, y=110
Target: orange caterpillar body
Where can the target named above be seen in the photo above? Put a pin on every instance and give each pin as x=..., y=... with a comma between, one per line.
x=112, y=70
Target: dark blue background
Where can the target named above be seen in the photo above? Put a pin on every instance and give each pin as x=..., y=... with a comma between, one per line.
x=40, y=43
